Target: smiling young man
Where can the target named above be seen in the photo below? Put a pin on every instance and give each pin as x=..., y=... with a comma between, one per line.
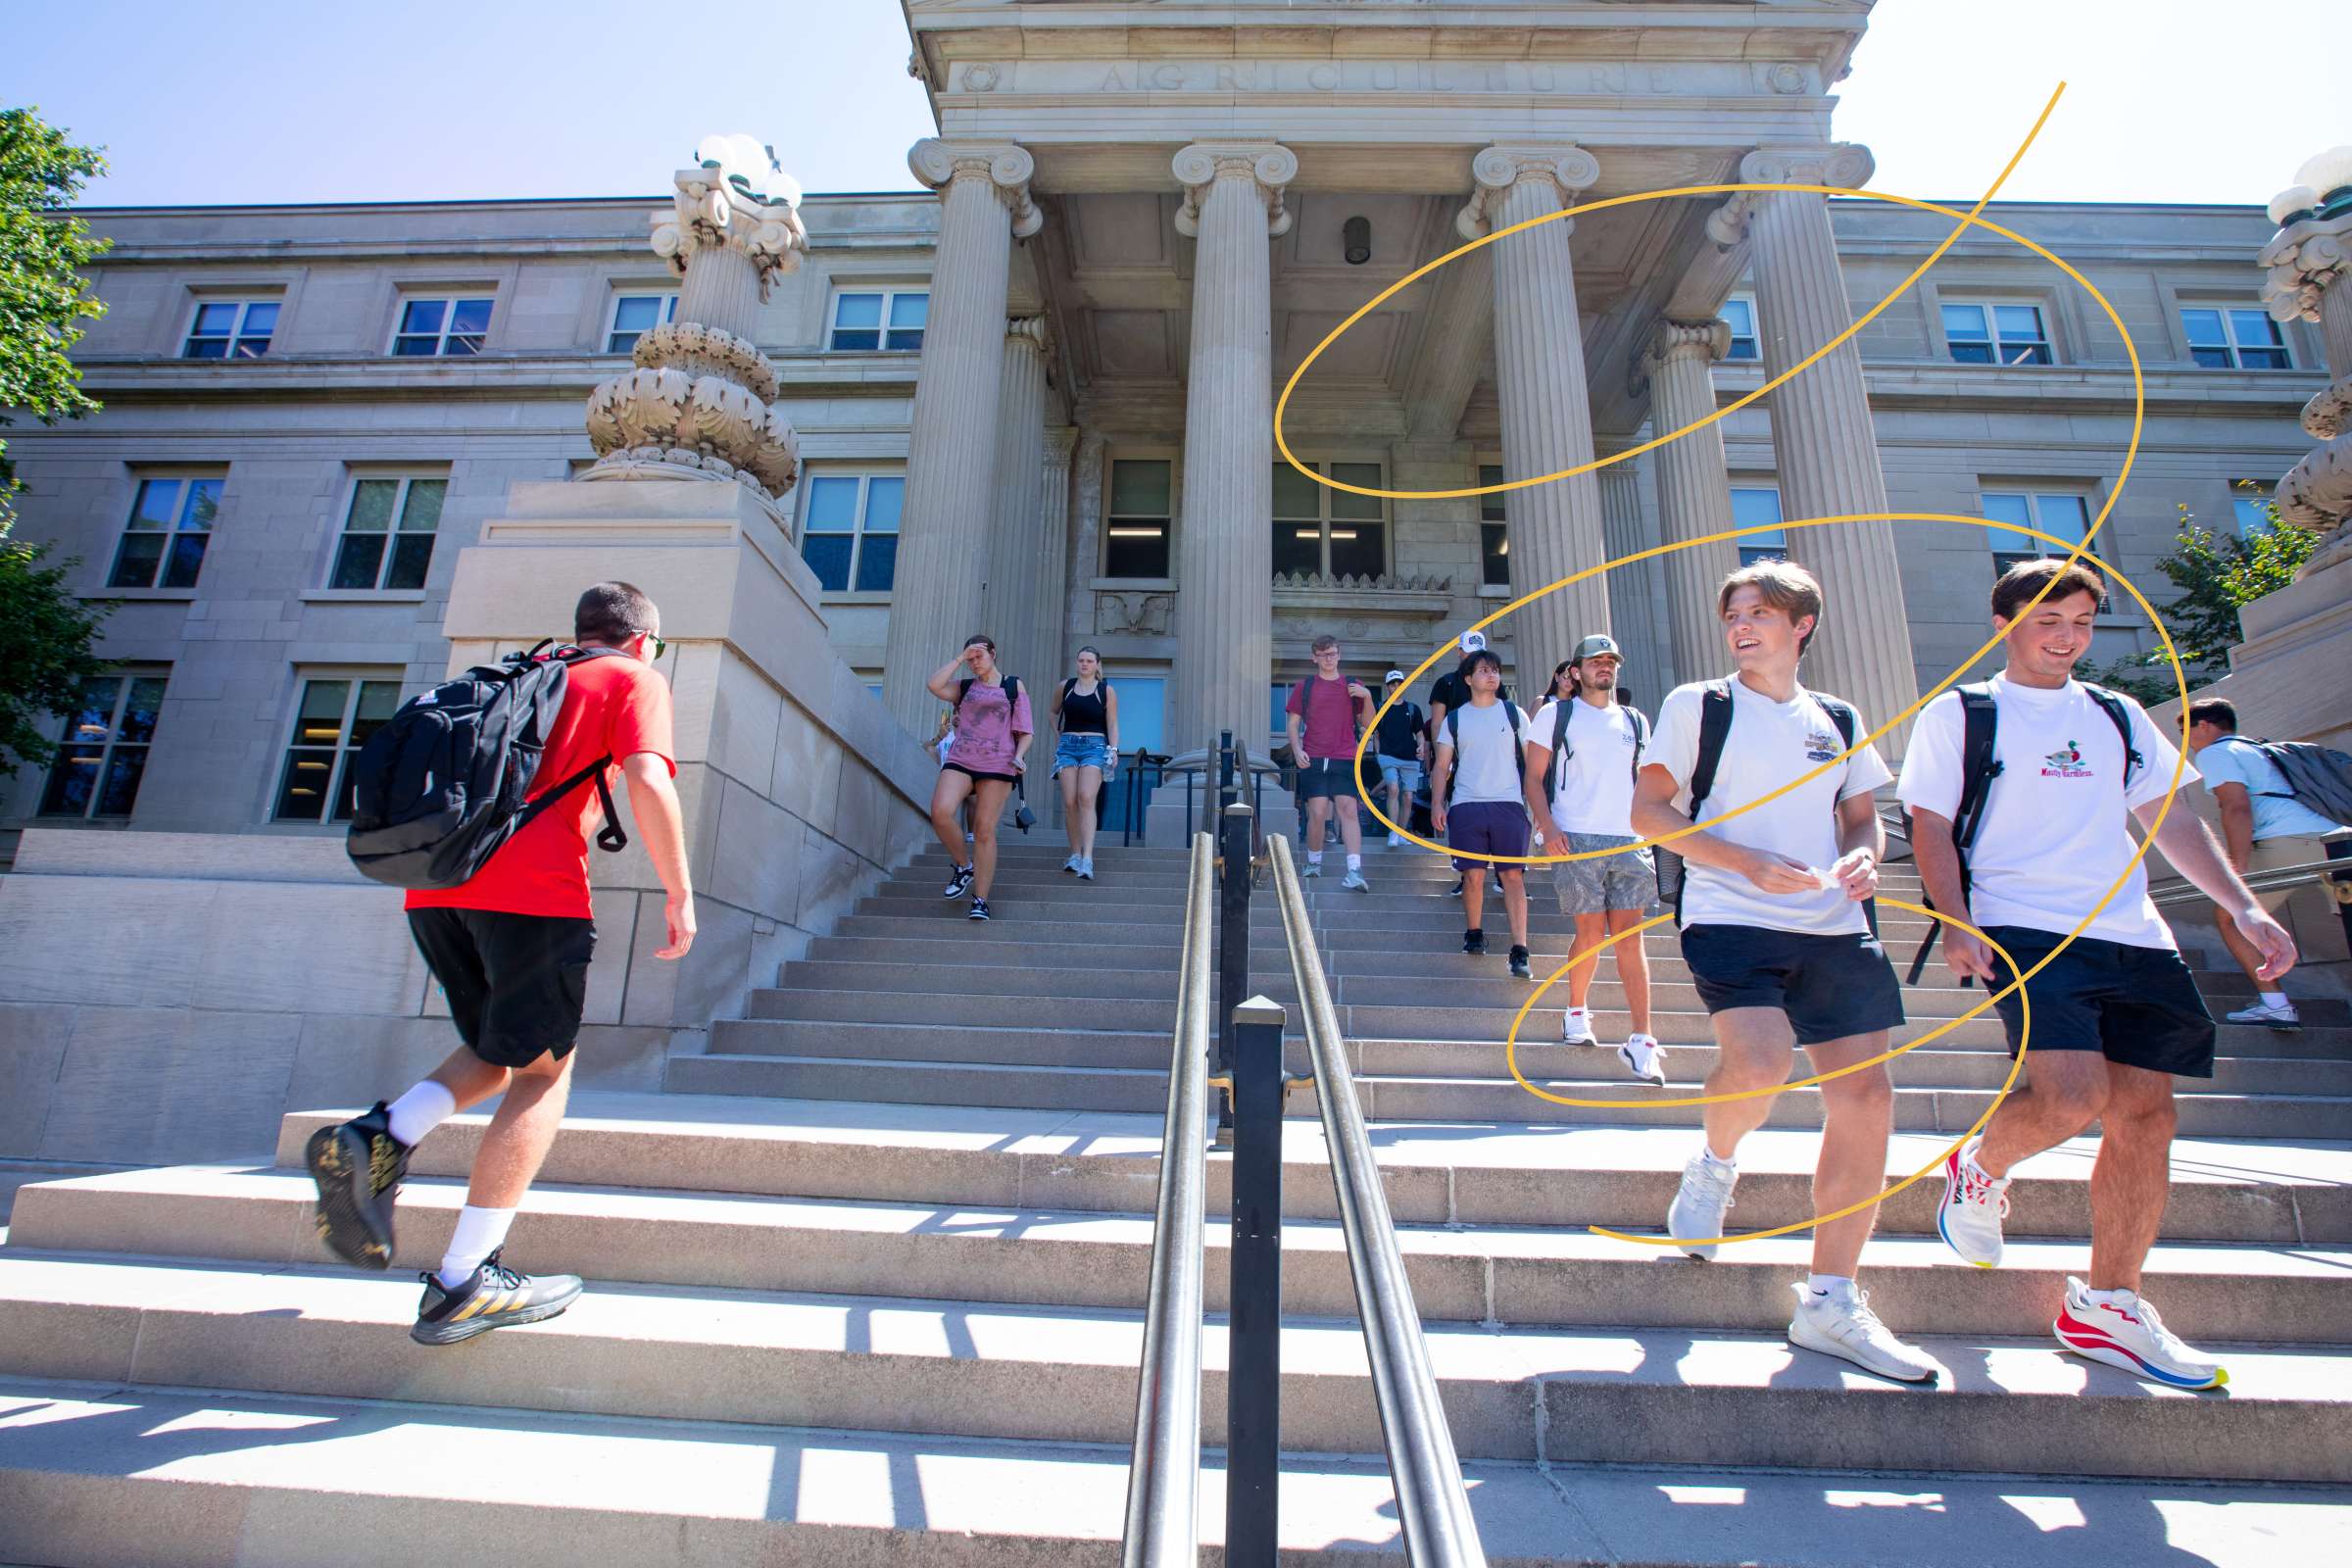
x=1486, y=814
x=1326, y=713
x=2041, y=774
x=1773, y=929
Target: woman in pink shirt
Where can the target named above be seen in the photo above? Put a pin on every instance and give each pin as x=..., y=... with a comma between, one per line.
x=987, y=757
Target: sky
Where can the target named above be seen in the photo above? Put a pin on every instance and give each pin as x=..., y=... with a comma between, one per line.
x=199, y=103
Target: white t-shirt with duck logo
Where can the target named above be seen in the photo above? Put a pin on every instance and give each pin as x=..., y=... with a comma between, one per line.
x=2053, y=837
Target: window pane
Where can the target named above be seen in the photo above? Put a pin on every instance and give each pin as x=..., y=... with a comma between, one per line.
x=1752, y=552
x=2066, y=516
x=187, y=559
x=157, y=505
x=622, y=343
x=828, y=556
x=469, y=315
x=415, y=347
x=636, y=312
x=455, y=345
x=2253, y=514
x=123, y=781
x=909, y=309
x=380, y=700
x=860, y=339
x=2019, y=320
x=2262, y=358
x=1740, y=317
x=252, y=348
x=204, y=503
x=1367, y=475
x=1494, y=558
x=138, y=714
x=135, y=560
x=1364, y=556
x=832, y=505
x=421, y=514
x=2212, y=358
x=371, y=505
x=1753, y=508
x=1139, y=487
x=2005, y=508
x=2254, y=328
x=1294, y=494
x=885, y=499
x=1972, y=352
x=1297, y=549
x=904, y=338
x=1491, y=508
x=423, y=315
x=260, y=319
x=2202, y=326
x=302, y=791
x=2015, y=353
x=320, y=721
x=411, y=558
x=93, y=716
x=877, y=563
x=1964, y=321
x=857, y=310
x=207, y=348
x=1137, y=550
x=73, y=780
x=216, y=319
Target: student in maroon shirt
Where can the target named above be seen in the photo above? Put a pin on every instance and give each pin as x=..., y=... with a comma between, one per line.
x=1326, y=715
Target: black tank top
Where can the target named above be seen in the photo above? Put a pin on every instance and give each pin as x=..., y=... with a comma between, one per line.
x=1083, y=715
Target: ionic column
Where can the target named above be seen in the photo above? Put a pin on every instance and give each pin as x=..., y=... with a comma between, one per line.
x=1633, y=603
x=1821, y=434
x=951, y=450
x=1052, y=611
x=1556, y=529
x=1010, y=605
x=1694, y=489
x=1224, y=612
x=1086, y=536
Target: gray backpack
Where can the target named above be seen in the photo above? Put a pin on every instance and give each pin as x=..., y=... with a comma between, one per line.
x=2319, y=777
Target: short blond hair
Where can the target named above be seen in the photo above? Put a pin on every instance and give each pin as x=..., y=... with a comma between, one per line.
x=1785, y=585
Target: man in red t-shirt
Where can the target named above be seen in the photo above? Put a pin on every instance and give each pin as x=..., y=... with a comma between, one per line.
x=510, y=948
x=1326, y=715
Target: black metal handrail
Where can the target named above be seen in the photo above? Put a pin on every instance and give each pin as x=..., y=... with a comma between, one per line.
x=1433, y=1507
x=1163, y=1479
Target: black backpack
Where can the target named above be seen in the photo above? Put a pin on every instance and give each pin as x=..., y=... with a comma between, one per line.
x=445, y=782
x=1714, y=728
x=1980, y=724
x=1561, y=750
x=1012, y=691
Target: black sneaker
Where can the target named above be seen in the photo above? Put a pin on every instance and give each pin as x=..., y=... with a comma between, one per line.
x=358, y=1166
x=1519, y=964
x=979, y=911
x=493, y=1297
x=1474, y=941
x=959, y=883
x=1455, y=891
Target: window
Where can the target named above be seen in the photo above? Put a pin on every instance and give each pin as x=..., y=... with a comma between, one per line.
x=2228, y=339
x=2063, y=513
x=2251, y=500
x=230, y=329
x=1136, y=533
x=1319, y=531
x=1494, y=537
x=1996, y=334
x=435, y=328
x=850, y=537
x=170, y=523
x=1143, y=712
x=1740, y=314
x=635, y=314
x=388, y=533
x=97, y=770
x=880, y=319
x=335, y=720
x=1757, y=507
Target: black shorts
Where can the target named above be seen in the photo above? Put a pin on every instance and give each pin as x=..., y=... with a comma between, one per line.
x=1330, y=778
x=517, y=983
x=975, y=774
x=2136, y=1005
x=1830, y=985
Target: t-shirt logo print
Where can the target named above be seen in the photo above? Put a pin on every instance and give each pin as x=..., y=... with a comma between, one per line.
x=1820, y=746
x=2065, y=762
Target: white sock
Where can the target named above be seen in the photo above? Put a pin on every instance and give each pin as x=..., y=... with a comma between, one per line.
x=1830, y=1285
x=1314, y=857
x=2274, y=998
x=1719, y=1163
x=479, y=1233
x=1586, y=1012
x=2102, y=1297
x=1356, y=863
x=421, y=1110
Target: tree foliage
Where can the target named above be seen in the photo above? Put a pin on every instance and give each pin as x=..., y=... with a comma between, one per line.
x=2216, y=576
x=46, y=631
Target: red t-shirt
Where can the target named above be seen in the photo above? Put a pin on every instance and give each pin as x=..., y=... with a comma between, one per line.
x=611, y=706
x=1329, y=715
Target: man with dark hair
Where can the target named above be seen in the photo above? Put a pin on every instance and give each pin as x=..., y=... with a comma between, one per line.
x=1403, y=750
x=2032, y=776
x=510, y=948
x=1486, y=814
x=1326, y=714
x=2263, y=826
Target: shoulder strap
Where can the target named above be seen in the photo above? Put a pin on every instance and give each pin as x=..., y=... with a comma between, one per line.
x=1454, y=726
x=963, y=689
x=1979, y=727
x=2121, y=718
x=1640, y=723
x=1714, y=728
x=1841, y=713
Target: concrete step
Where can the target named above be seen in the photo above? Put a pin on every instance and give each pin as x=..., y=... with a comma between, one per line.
x=1667, y=1395
x=92, y=1473
x=1435, y=1174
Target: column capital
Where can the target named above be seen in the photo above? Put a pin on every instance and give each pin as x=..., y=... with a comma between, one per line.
x=1706, y=342
x=1005, y=165
x=1029, y=331
x=1567, y=168
x=709, y=211
x=2301, y=262
x=1845, y=163
x=1270, y=164
x=1061, y=440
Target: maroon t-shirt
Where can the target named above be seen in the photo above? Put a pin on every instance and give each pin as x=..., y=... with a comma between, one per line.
x=1329, y=715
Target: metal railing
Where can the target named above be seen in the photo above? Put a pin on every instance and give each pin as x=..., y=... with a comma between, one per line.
x=2271, y=879
x=1433, y=1508
x=1221, y=760
x=1163, y=1480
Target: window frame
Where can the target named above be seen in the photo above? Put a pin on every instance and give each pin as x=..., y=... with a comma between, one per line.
x=1328, y=525
x=126, y=678
x=344, y=749
x=1494, y=527
x=1112, y=519
x=1755, y=338
x=452, y=298
x=1751, y=552
x=244, y=305
x=667, y=314
x=1997, y=343
x=404, y=480
x=168, y=557
x=889, y=295
x=2033, y=494
x=2254, y=494
x=2228, y=311
x=856, y=533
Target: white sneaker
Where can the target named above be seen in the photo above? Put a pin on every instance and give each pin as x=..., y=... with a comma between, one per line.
x=1969, y=1220
x=1844, y=1326
x=2125, y=1331
x=1311, y=869
x=1395, y=842
x=1086, y=869
x=1071, y=864
x=1700, y=1204
x=1645, y=1059
x=2262, y=1013
x=1355, y=880
x=1577, y=1030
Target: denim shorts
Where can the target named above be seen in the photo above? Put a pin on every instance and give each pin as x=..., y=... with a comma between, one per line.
x=1085, y=749
x=1404, y=770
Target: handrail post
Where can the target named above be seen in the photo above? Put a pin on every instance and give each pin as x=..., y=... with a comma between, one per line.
x=1233, y=928
x=1253, y=1294
x=1226, y=794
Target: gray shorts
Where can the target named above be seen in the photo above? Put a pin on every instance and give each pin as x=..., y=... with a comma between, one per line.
x=1608, y=882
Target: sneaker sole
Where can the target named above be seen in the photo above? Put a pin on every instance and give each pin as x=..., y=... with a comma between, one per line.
x=2283, y=1026
x=2089, y=1342
x=346, y=1224
x=458, y=1333
x=1824, y=1347
x=1943, y=1207
x=1656, y=1081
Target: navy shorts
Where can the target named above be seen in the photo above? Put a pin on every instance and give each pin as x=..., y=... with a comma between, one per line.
x=1830, y=985
x=517, y=983
x=1327, y=778
x=1487, y=827
x=2137, y=1007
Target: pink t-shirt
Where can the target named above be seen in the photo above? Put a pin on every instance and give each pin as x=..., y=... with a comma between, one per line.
x=985, y=728
x=1329, y=715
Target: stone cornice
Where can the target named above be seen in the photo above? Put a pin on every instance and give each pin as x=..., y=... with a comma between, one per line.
x=1569, y=169
x=1005, y=165
x=1270, y=164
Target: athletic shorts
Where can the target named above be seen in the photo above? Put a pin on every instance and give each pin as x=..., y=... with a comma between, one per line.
x=1327, y=778
x=1610, y=882
x=976, y=773
x=1487, y=827
x=2134, y=1006
x=1830, y=985
x=516, y=983
x=1403, y=770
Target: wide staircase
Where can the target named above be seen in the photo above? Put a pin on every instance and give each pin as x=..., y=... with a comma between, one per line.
x=866, y=1288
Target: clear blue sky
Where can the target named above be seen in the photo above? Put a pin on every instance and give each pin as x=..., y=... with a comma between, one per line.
x=267, y=101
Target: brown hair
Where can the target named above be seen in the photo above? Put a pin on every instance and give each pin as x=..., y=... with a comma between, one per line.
x=2214, y=711
x=1786, y=586
x=613, y=613
x=2024, y=581
x=1327, y=640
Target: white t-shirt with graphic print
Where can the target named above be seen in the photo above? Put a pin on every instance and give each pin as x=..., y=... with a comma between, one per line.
x=2053, y=837
x=1770, y=744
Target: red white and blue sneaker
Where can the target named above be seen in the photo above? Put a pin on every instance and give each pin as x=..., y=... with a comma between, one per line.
x=1969, y=1220
x=2125, y=1331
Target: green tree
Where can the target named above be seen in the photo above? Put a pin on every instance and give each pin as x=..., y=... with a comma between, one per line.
x=2216, y=576
x=46, y=633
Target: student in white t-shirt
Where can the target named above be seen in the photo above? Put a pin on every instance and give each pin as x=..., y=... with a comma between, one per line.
x=1773, y=928
x=2115, y=1016
x=1582, y=753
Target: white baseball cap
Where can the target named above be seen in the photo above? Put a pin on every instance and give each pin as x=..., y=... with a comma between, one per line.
x=1392, y=676
x=1473, y=640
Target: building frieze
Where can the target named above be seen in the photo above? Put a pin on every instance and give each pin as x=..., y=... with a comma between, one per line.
x=1321, y=80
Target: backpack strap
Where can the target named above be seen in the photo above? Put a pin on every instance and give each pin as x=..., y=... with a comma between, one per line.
x=1640, y=723
x=1979, y=725
x=2120, y=717
x=1559, y=749
x=1850, y=723
x=1714, y=728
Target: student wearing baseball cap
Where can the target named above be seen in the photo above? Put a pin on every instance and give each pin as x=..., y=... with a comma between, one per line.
x=1403, y=750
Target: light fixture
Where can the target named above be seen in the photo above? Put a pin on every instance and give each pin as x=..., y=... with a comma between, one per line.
x=1134, y=533
x=1343, y=534
x=1355, y=239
